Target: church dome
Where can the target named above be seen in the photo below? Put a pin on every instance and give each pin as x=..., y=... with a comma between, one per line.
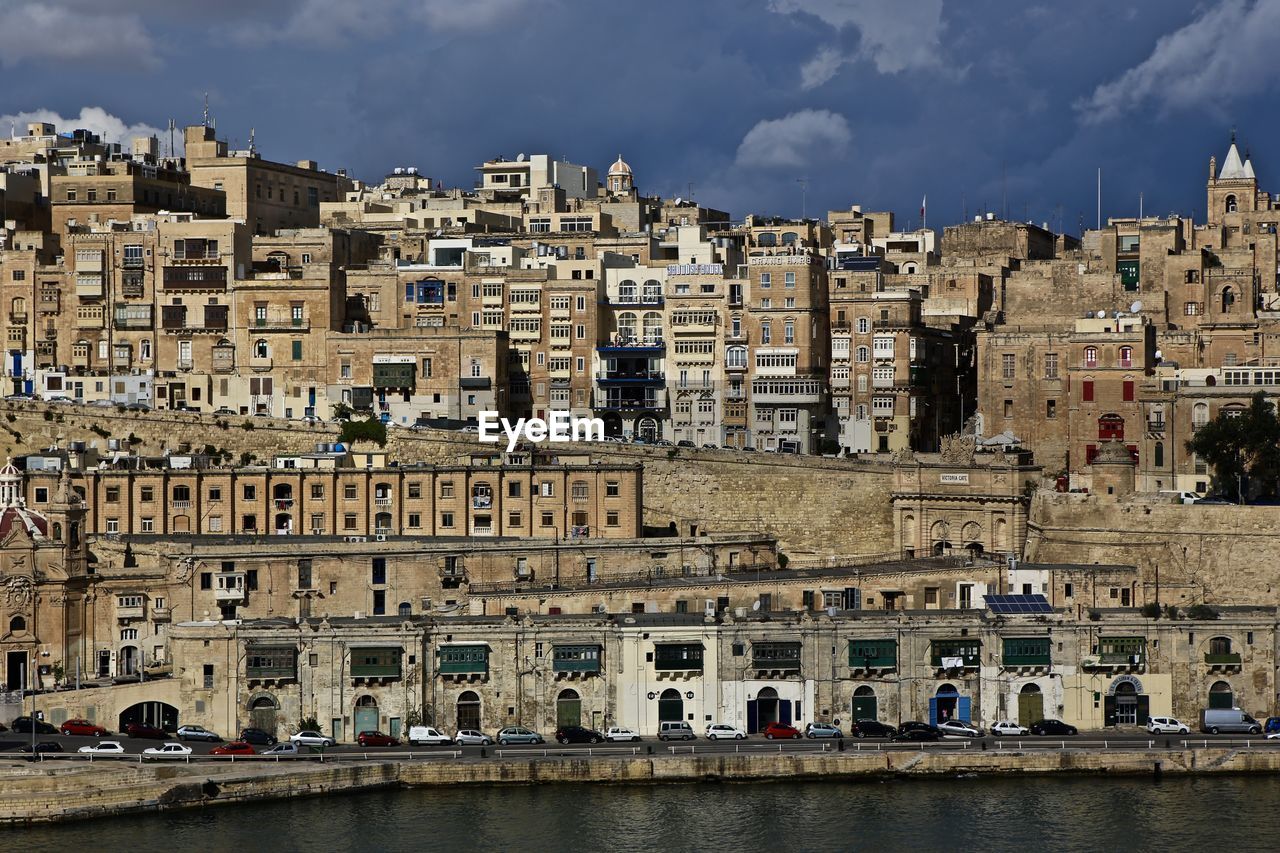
x=620, y=168
x=36, y=525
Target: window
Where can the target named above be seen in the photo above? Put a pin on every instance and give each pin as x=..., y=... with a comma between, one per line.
x=206, y=580
x=1007, y=365
x=766, y=333
x=349, y=521
x=446, y=519
x=863, y=355
x=349, y=491
x=864, y=325
x=1051, y=365
x=766, y=279
x=317, y=491
x=1090, y=356
x=1126, y=356
x=414, y=489
x=1086, y=390
x=611, y=518
x=1050, y=409
x=379, y=570
x=1191, y=309
x=446, y=489
x=513, y=489
x=1127, y=391
x=379, y=602
x=250, y=492
x=147, y=494
x=548, y=519
x=208, y=676
x=148, y=525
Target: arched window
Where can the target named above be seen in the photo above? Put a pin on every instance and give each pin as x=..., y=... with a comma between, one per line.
x=789, y=331
x=652, y=328
x=766, y=332
x=735, y=357
x=864, y=325
x=1228, y=300
x=863, y=355
x=17, y=625
x=627, y=291
x=862, y=382
x=1126, y=356
x=627, y=325
x=18, y=306
x=1090, y=356
x=652, y=292
x=261, y=349
x=909, y=269
x=405, y=609
x=789, y=238
x=1199, y=415
x=860, y=413
x=1231, y=205
x=181, y=494
x=768, y=238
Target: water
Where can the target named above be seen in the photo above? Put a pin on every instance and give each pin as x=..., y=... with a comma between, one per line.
x=1042, y=814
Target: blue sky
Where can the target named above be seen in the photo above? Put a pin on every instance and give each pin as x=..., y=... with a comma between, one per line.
x=980, y=104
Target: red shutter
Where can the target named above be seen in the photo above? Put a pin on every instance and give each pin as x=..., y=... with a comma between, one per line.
x=1133, y=451
x=1128, y=391
x=1086, y=390
x=1090, y=451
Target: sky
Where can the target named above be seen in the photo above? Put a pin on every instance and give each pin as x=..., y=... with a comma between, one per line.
x=776, y=107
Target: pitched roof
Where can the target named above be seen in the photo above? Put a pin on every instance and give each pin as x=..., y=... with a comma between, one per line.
x=1232, y=167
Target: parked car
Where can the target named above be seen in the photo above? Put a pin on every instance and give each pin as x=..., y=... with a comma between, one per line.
x=471, y=737
x=717, y=731
x=428, y=735
x=710, y=446
x=168, y=750
x=105, y=747
x=1167, y=726
x=22, y=725
x=375, y=738
x=1008, y=728
x=578, y=734
x=83, y=728
x=145, y=731
x=1052, y=727
x=258, y=736
x=235, y=747
x=307, y=737
x=675, y=730
x=684, y=442
x=959, y=728
x=871, y=728
x=917, y=726
x=817, y=730
x=781, y=731
x=930, y=734
x=42, y=746
x=197, y=733
x=519, y=734
x=618, y=733
x=1271, y=725
x=286, y=748
x=1216, y=500
x=1216, y=720
x=224, y=410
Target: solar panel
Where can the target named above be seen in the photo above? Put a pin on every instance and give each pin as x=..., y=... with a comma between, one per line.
x=1017, y=604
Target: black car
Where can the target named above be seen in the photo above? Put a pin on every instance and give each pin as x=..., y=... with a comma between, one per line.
x=684, y=442
x=872, y=728
x=258, y=736
x=917, y=726
x=43, y=746
x=578, y=734
x=929, y=734
x=23, y=725
x=1052, y=727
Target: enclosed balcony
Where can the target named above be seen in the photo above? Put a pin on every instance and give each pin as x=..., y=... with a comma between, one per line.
x=1026, y=653
x=228, y=587
x=955, y=654
x=375, y=663
x=775, y=660
x=271, y=663
x=675, y=660
x=873, y=655
x=575, y=661
x=463, y=662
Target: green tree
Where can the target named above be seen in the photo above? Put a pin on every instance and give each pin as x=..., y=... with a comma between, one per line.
x=1242, y=446
x=371, y=430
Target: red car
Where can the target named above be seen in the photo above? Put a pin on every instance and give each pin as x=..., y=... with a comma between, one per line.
x=83, y=727
x=376, y=739
x=143, y=730
x=236, y=747
x=781, y=730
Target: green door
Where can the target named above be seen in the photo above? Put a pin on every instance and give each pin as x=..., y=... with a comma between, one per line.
x=366, y=720
x=1030, y=708
x=568, y=709
x=864, y=708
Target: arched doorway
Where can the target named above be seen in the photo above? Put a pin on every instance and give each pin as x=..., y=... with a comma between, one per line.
x=1221, y=695
x=262, y=713
x=128, y=660
x=865, y=706
x=647, y=429
x=468, y=716
x=940, y=536
x=948, y=704
x=366, y=716
x=158, y=714
x=1125, y=703
x=670, y=706
x=765, y=709
x=1030, y=704
x=568, y=708
x=612, y=424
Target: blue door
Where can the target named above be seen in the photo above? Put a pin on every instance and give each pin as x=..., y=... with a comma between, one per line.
x=962, y=708
x=784, y=711
x=933, y=711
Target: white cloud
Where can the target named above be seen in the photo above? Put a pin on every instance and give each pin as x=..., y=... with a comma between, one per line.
x=96, y=119
x=33, y=31
x=1223, y=53
x=895, y=37
x=469, y=14
x=793, y=140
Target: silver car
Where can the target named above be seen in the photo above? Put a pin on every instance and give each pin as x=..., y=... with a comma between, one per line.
x=822, y=730
x=519, y=734
x=471, y=737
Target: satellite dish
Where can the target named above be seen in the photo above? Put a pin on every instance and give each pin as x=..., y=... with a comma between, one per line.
x=679, y=201
x=520, y=157
x=1102, y=315
x=1159, y=355
x=1136, y=307
x=756, y=606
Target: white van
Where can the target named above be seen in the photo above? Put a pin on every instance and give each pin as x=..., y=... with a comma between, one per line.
x=428, y=735
x=1181, y=497
x=675, y=730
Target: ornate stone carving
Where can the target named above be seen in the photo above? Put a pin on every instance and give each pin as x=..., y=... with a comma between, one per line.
x=958, y=449
x=18, y=590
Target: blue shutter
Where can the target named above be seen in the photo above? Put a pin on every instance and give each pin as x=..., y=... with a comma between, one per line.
x=962, y=708
x=753, y=717
x=784, y=711
x=933, y=711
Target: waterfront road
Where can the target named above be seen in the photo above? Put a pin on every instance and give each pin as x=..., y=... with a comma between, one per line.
x=11, y=745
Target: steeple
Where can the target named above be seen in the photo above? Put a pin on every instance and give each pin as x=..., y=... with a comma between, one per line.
x=1248, y=165
x=1232, y=166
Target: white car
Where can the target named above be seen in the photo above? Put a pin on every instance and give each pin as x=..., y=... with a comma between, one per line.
x=1167, y=726
x=106, y=747
x=471, y=737
x=1274, y=736
x=958, y=728
x=286, y=748
x=311, y=738
x=617, y=733
x=168, y=750
x=419, y=735
x=1008, y=728
x=717, y=731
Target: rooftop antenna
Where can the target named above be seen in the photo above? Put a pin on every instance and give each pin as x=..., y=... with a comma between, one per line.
x=804, y=196
x=206, y=109
x=1099, y=198
x=173, y=125
x=252, y=132
x=1139, y=208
